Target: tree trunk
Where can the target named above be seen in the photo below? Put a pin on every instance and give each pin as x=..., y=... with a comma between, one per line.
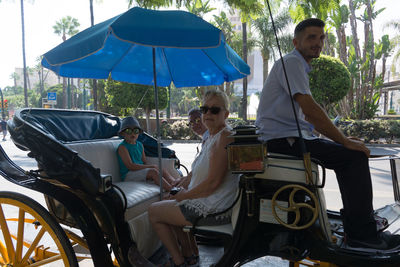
x=356, y=44
x=91, y=12
x=95, y=98
x=383, y=67
x=23, y=52
x=148, y=126
x=15, y=85
x=28, y=81
x=371, y=74
x=265, y=67
x=244, y=98
x=327, y=49
x=341, y=34
x=72, y=93
x=353, y=23
x=64, y=101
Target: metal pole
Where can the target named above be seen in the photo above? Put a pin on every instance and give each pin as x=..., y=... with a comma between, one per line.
x=68, y=94
x=158, y=124
x=84, y=95
x=2, y=104
x=169, y=102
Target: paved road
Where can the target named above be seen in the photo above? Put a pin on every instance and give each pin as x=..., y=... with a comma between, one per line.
x=380, y=171
x=186, y=152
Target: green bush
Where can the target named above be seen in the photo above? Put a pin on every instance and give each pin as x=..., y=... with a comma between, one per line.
x=329, y=80
x=179, y=130
x=391, y=112
x=372, y=130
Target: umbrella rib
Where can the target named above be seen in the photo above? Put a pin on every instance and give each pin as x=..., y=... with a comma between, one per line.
x=227, y=57
x=76, y=59
x=120, y=59
x=215, y=63
x=166, y=61
x=167, y=46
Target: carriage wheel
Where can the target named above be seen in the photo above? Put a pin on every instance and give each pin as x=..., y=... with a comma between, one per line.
x=30, y=235
x=295, y=207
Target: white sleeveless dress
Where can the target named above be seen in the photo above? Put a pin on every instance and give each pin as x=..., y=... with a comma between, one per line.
x=223, y=197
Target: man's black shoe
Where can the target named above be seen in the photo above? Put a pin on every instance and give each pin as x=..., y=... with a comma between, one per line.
x=384, y=242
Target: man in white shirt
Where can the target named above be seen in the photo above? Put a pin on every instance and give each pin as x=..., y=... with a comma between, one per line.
x=347, y=157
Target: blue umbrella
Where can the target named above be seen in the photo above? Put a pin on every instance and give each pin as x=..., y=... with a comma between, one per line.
x=149, y=47
x=188, y=51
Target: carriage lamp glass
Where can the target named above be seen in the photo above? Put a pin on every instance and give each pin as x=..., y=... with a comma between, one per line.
x=244, y=158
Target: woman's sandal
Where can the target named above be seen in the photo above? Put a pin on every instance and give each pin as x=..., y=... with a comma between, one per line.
x=192, y=260
x=171, y=263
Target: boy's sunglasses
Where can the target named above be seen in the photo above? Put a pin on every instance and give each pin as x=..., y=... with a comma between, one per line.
x=213, y=110
x=131, y=131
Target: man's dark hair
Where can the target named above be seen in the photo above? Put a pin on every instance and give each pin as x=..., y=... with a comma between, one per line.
x=308, y=23
x=194, y=111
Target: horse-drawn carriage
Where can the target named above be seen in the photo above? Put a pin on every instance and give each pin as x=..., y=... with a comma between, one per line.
x=277, y=211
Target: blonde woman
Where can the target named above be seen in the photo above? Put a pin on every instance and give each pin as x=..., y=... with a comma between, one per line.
x=210, y=189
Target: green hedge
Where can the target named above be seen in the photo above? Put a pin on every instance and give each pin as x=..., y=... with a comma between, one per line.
x=372, y=131
x=180, y=130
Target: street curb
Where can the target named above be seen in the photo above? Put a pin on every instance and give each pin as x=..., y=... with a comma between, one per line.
x=383, y=145
x=198, y=141
x=169, y=142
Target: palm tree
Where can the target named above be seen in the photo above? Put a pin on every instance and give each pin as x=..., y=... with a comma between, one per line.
x=151, y=3
x=266, y=40
x=23, y=53
x=15, y=78
x=339, y=17
x=29, y=72
x=302, y=9
x=222, y=22
x=66, y=26
x=395, y=41
x=199, y=8
x=247, y=9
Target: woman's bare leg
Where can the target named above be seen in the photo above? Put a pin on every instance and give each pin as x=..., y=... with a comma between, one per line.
x=163, y=215
x=184, y=240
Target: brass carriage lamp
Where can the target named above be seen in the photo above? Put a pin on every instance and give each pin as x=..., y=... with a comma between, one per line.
x=246, y=154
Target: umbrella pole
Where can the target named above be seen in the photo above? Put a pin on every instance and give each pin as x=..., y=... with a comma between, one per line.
x=158, y=124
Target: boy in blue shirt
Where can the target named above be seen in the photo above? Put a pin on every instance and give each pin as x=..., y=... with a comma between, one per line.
x=132, y=159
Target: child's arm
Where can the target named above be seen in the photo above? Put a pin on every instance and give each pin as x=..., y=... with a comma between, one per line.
x=145, y=161
x=126, y=159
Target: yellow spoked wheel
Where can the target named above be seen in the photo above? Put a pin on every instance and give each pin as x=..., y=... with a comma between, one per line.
x=30, y=235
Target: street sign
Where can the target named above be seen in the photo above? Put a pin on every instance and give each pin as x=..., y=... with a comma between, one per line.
x=52, y=96
x=48, y=104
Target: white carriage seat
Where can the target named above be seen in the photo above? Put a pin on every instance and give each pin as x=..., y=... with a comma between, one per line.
x=280, y=167
x=227, y=229
x=102, y=154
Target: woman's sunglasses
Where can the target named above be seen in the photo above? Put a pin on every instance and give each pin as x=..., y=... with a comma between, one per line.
x=213, y=110
x=131, y=131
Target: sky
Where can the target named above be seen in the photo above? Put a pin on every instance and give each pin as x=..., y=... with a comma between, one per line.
x=41, y=15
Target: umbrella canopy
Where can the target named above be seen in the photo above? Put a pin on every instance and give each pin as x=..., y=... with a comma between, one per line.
x=188, y=51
